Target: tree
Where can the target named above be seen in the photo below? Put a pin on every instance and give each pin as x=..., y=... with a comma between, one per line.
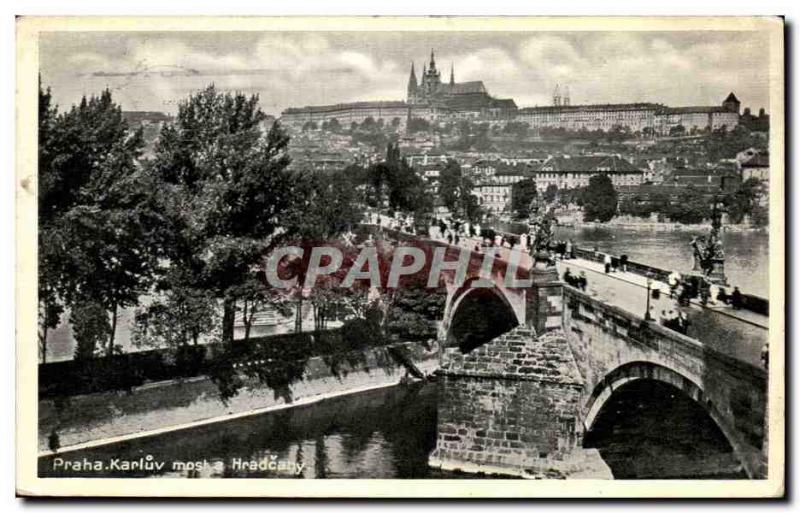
x=177, y=317
x=229, y=190
x=677, y=131
x=550, y=193
x=395, y=183
x=600, y=199
x=690, y=207
x=90, y=326
x=455, y=191
x=418, y=125
x=450, y=179
x=522, y=193
x=329, y=206
x=98, y=223
x=332, y=125
x=745, y=200
x=50, y=306
x=517, y=128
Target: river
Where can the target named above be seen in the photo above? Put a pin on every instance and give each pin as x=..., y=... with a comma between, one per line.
x=746, y=252
x=389, y=432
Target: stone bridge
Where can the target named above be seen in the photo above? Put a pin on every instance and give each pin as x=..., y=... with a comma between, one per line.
x=519, y=396
x=526, y=371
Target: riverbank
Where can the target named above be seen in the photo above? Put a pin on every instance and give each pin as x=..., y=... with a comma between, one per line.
x=92, y=420
x=628, y=223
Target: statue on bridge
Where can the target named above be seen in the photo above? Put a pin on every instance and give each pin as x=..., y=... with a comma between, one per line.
x=709, y=256
x=541, y=222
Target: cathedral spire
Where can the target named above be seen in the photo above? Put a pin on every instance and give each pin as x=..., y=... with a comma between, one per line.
x=412, y=79
x=452, y=75
x=412, y=84
x=433, y=61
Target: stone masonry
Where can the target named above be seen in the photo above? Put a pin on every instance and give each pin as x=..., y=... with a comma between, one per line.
x=512, y=406
x=544, y=301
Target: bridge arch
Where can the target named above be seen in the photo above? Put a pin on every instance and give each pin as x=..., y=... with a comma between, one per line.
x=645, y=370
x=475, y=315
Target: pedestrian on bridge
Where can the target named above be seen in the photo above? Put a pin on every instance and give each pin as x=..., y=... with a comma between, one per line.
x=737, y=300
x=607, y=263
x=568, y=278
x=683, y=322
x=674, y=280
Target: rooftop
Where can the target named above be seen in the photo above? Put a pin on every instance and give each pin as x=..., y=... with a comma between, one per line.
x=589, y=164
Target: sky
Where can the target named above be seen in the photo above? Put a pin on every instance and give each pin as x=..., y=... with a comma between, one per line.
x=155, y=70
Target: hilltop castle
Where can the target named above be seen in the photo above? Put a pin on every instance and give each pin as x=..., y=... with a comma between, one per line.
x=458, y=97
x=432, y=99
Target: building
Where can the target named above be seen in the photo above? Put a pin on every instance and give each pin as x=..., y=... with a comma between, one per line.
x=634, y=117
x=692, y=119
x=494, y=198
x=356, y=112
x=756, y=166
x=494, y=183
x=573, y=172
x=709, y=180
x=575, y=118
x=425, y=158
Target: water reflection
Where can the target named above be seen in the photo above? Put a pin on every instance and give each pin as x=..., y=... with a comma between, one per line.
x=378, y=434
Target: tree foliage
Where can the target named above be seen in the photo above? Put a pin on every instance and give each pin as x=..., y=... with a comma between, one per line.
x=690, y=207
x=522, y=193
x=227, y=191
x=98, y=223
x=455, y=192
x=600, y=199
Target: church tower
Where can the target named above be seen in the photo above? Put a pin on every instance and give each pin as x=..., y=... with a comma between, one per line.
x=412, y=86
x=557, y=96
x=431, y=80
x=452, y=76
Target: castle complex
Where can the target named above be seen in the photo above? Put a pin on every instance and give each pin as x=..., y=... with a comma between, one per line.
x=435, y=100
x=470, y=99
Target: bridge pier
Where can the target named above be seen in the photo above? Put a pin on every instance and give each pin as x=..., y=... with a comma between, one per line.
x=513, y=405
x=544, y=300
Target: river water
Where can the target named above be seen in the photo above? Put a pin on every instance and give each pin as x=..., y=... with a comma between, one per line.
x=746, y=252
x=389, y=432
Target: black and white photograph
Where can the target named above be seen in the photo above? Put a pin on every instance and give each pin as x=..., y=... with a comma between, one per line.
x=426, y=251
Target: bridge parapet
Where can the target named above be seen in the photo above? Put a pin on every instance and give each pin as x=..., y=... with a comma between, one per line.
x=753, y=303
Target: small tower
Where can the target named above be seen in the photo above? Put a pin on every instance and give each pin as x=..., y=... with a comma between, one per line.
x=731, y=103
x=566, y=99
x=452, y=75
